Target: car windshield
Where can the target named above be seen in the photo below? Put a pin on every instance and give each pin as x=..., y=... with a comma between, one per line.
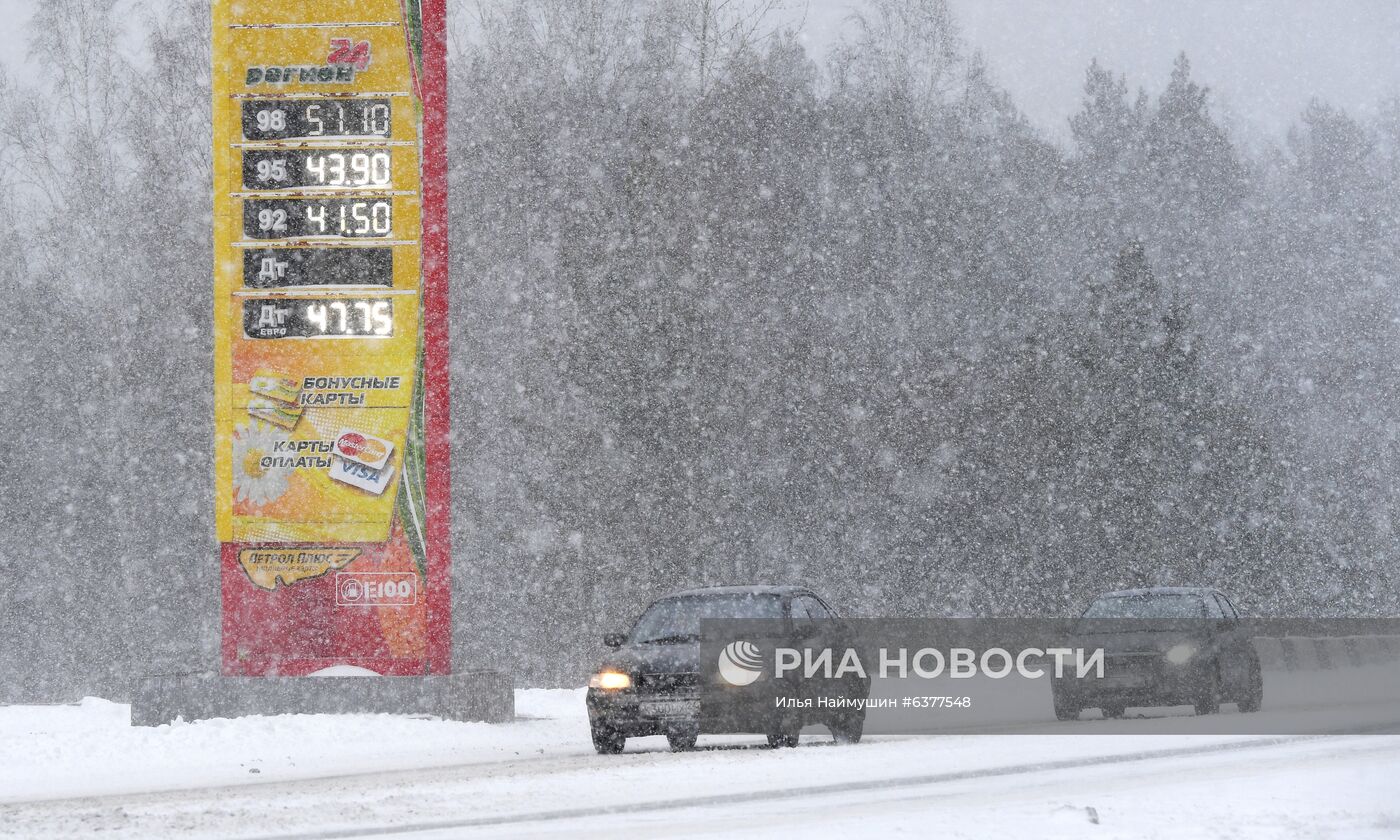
x=677, y=620
x=1147, y=608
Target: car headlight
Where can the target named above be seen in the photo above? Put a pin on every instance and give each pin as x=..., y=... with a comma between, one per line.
x=1181, y=654
x=610, y=681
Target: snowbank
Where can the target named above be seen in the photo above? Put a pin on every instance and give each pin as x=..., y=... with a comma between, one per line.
x=90, y=748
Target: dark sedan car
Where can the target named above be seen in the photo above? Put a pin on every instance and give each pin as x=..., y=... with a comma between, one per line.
x=1166, y=646
x=654, y=682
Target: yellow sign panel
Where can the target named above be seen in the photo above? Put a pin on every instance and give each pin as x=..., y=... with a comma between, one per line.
x=317, y=277
x=296, y=392
x=261, y=14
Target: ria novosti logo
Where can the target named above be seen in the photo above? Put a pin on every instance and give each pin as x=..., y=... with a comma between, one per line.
x=740, y=663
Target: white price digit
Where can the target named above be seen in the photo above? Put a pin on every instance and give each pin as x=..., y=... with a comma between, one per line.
x=382, y=217
x=376, y=120
x=316, y=215
x=383, y=318
x=316, y=314
x=364, y=308
x=337, y=169
x=316, y=165
x=342, y=310
x=362, y=221
x=380, y=169
x=311, y=117
x=359, y=165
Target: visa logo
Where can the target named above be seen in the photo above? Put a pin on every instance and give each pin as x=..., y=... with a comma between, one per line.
x=358, y=475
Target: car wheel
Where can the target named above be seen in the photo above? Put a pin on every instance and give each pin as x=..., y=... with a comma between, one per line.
x=785, y=733
x=1065, y=708
x=606, y=740
x=1208, y=702
x=682, y=739
x=1254, y=698
x=847, y=729
x=1115, y=711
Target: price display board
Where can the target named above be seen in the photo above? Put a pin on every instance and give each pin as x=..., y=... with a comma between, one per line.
x=315, y=118
x=328, y=218
x=312, y=318
x=278, y=169
x=330, y=336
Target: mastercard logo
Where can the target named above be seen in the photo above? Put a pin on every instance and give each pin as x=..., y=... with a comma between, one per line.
x=368, y=450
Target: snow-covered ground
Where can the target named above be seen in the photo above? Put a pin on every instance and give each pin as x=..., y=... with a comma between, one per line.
x=90, y=750
x=81, y=770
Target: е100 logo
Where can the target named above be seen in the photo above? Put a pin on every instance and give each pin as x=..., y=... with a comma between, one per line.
x=376, y=589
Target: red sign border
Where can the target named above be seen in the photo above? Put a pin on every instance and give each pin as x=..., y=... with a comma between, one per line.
x=436, y=334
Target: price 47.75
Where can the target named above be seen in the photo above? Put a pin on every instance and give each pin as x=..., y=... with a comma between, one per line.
x=265, y=318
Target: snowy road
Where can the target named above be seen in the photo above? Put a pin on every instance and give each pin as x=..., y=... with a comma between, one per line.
x=366, y=776
x=1342, y=786
x=1266, y=788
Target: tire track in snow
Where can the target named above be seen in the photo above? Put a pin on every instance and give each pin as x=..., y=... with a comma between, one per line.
x=731, y=799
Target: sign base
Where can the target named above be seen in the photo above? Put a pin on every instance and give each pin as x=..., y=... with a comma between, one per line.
x=486, y=696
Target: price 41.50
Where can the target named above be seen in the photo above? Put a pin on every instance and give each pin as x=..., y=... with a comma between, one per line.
x=341, y=218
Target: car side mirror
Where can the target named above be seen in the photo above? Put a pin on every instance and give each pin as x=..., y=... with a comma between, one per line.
x=614, y=640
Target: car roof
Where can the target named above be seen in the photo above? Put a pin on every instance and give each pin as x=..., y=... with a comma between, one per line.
x=755, y=589
x=1160, y=590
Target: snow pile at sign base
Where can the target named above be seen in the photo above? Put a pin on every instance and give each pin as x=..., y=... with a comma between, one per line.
x=90, y=748
x=344, y=671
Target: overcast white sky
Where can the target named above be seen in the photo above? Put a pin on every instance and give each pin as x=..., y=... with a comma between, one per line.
x=1262, y=58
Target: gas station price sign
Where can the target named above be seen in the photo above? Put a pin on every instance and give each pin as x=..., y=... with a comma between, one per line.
x=329, y=120
x=286, y=268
